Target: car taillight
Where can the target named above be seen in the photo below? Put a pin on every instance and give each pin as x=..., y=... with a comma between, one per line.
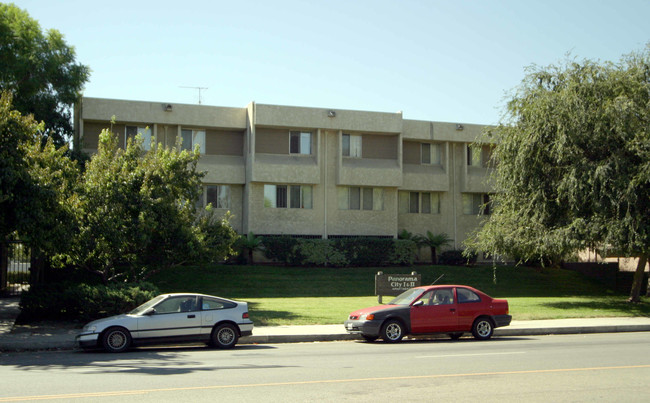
x=244, y=315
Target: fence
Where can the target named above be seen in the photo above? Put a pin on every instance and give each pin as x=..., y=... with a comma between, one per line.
x=15, y=262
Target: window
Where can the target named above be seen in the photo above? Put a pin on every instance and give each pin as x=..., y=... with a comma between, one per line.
x=479, y=157
x=465, y=295
x=430, y=154
x=473, y=202
x=190, y=138
x=419, y=202
x=425, y=153
x=181, y=303
x=357, y=198
x=213, y=303
x=443, y=296
x=292, y=196
x=218, y=196
x=351, y=145
x=300, y=142
x=131, y=131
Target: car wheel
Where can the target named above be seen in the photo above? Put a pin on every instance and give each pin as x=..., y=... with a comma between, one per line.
x=369, y=338
x=224, y=336
x=116, y=339
x=482, y=328
x=455, y=336
x=392, y=331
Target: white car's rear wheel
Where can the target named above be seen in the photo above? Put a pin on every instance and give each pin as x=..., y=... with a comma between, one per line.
x=225, y=336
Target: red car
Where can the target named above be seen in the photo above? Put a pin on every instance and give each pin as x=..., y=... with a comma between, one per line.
x=451, y=309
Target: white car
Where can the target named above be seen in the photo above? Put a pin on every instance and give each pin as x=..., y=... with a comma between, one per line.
x=171, y=318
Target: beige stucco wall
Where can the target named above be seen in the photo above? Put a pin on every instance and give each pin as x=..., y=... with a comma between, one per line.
x=248, y=147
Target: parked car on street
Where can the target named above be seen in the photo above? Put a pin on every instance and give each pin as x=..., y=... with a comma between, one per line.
x=171, y=318
x=451, y=309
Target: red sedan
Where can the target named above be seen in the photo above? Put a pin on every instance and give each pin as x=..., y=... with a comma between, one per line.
x=451, y=309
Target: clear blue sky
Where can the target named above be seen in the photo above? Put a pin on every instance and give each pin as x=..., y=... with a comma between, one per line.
x=451, y=61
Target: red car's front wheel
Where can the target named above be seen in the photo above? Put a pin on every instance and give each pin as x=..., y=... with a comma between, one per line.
x=392, y=331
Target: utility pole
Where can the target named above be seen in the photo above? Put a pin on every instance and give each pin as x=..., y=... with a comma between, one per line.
x=196, y=88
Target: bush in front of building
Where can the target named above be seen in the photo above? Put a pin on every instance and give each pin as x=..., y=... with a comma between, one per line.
x=82, y=302
x=360, y=251
x=455, y=257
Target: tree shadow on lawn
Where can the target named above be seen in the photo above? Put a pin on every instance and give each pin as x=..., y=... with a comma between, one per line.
x=265, y=317
x=606, y=306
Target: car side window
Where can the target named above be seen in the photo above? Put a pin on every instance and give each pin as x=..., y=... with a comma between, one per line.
x=177, y=304
x=465, y=295
x=438, y=297
x=212, y=303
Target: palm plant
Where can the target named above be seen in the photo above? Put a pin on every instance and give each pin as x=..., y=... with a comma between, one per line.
x=433, y=242
x=248, y=244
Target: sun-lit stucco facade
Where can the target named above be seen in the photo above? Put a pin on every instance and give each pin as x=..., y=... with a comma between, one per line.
x=317, y=172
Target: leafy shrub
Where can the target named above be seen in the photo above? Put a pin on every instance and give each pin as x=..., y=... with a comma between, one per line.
x=403, y=252
x=320, y=252
x=455, y=258
x=83, y=302
x=339, y=252
x=282, y=249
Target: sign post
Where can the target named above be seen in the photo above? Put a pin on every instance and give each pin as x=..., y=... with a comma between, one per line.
x=395, y=284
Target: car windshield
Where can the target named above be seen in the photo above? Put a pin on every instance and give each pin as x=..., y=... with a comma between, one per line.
x=407, y=297
x=142, y=308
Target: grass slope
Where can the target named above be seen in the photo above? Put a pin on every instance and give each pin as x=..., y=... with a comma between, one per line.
x=298, y=295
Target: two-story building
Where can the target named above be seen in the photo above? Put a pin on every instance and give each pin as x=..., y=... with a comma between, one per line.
x=314, y=172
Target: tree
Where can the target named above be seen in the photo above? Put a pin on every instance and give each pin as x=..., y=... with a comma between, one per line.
x=36, y=181
x=136, y=213
x=573, y=164
x=433, y=242
x=40, y=70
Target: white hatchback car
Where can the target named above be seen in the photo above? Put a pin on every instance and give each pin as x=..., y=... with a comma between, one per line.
x=171, y=318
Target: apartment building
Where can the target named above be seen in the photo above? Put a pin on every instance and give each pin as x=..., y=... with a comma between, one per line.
x=315, y=172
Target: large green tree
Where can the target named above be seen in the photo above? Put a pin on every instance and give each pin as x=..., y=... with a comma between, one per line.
x=40, y=70
x=573, y=164
x=35, y=182
x=136, y=213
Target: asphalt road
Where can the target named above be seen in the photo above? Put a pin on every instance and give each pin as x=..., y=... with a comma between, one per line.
x=593, y=367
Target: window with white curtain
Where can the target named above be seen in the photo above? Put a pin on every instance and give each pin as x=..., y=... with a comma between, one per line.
x=131, y=131
x=190, y=139
x=351, y=145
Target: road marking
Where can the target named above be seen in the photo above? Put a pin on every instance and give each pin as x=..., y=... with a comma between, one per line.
x=469, y=355
x=323, y=381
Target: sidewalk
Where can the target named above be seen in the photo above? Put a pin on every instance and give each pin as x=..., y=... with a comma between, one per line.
x=28, y=338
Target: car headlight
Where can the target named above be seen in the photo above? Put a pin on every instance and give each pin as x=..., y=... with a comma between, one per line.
x=89, y=328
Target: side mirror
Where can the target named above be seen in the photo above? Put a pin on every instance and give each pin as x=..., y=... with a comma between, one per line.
x=149, y=312
x=418, y=303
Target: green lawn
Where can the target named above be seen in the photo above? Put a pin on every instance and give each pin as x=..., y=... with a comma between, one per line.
x=290, y=295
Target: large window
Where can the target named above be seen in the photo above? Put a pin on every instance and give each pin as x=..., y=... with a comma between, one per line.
x=292, y=196
x=131, y=131
x=474, y=202
x=190, y=138
x=479, y=157
x=351, y=145
x=360, y=198
x=419, y=202
x=216, y=195
x=300, y=142
x=430, y=154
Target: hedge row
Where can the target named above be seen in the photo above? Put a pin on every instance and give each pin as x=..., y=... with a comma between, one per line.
x=83, y=302
x=340, y=252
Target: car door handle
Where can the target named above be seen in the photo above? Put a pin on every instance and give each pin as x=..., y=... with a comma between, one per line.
x=191, y=316
x=452, y=310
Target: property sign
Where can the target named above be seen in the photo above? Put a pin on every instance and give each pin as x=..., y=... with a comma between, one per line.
x=395, y=284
